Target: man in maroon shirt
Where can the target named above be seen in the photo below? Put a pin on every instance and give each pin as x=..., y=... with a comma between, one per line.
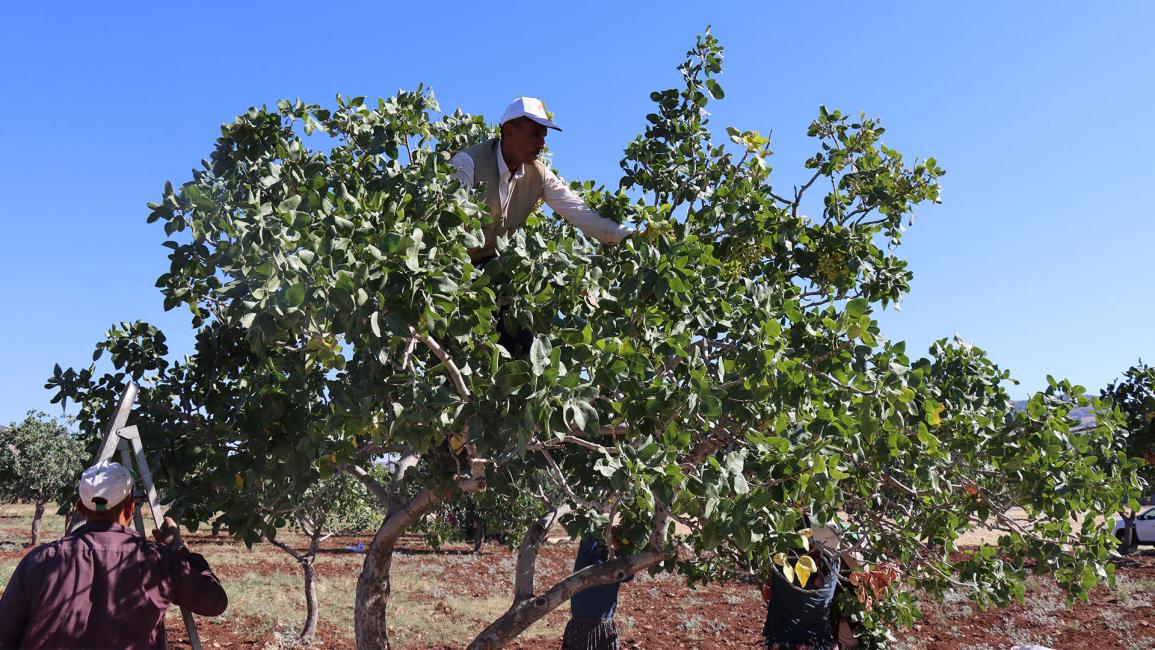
x=104, y=586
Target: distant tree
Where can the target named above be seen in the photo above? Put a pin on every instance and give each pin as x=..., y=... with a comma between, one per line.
x=39, y=458
x=504, y=512
x=1134, y=395
x=340, y=505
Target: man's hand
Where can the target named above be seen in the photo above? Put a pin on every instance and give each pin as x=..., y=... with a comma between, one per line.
x=169, y=535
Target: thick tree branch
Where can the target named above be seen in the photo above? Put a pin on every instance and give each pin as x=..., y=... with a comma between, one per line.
x=522, y=615
x=659, y=526
x=370, y=483
x=527, y=609
x=527, y=553
x=446, y=362
x=406, y=459
x=405, y=514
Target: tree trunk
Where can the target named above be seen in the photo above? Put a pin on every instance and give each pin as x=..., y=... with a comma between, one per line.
x=311, y=604
x=309, y=571
x=478, y=529
x=36, y=523
x=1127, y=540
x=373, y=589
x=373, y=585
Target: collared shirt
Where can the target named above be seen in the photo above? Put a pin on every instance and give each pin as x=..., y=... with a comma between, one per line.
x=103, y=586
x=556, y=194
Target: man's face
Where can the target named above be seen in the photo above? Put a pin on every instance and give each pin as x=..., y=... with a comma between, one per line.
x=523, y=139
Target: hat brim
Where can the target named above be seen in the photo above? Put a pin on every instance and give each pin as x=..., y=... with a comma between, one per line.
x=544, y=122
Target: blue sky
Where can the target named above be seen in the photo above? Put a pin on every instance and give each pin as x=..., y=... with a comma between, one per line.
x=1038, y=111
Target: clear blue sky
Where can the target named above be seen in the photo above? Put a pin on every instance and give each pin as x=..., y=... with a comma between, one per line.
x=1039, y=111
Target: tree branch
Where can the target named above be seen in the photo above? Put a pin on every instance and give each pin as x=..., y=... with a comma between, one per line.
x=407, y=357
x=798, y=192
x=559, y=478
x=446, y=361
x=286, y=548
x=370, y=483
x=570, y=439
x=526, y=609
x=524, y=614
x=527, y=553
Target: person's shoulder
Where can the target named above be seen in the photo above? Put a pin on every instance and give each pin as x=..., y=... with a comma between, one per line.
x=477, y=149
x=111, y=535
x=44, y=554
x=43, y=551
x=543, y=171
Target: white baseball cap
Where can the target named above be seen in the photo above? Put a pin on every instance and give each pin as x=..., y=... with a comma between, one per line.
x=105, y=484
x=530, y=107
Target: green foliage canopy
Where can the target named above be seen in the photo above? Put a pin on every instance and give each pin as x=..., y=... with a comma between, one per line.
x=40, y=459
x=726, y=375
x=1134, y=396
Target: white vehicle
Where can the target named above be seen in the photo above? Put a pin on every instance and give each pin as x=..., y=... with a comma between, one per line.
x=1144, y=527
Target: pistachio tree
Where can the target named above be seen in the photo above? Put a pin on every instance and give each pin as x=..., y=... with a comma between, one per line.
x=738, y=385
x=337, y=506
x=711, y=387
x=1134, y=396
x=39, y=460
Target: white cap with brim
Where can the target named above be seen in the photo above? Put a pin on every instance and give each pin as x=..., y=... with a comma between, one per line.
x=530, y=107
x=104, y=485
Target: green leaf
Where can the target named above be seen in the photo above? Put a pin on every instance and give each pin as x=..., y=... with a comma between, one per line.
x=856, y=308
x=582, y=416
x=933, y=410
x=539, y=355
x=375, y=323
x=577, y=415
x=512, y=376
x=740, y=484
x=295, y=295
x=927, y=438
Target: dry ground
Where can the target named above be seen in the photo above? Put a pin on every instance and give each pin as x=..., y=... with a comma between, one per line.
x=442, y=599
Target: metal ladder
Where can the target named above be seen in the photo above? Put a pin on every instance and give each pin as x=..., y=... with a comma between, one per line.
x=126, y=440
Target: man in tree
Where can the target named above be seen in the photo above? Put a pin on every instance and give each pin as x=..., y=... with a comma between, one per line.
x=515, y=183
x=103, y=586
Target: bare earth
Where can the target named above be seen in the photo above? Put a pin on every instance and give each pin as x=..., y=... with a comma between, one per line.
x=442, y=599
